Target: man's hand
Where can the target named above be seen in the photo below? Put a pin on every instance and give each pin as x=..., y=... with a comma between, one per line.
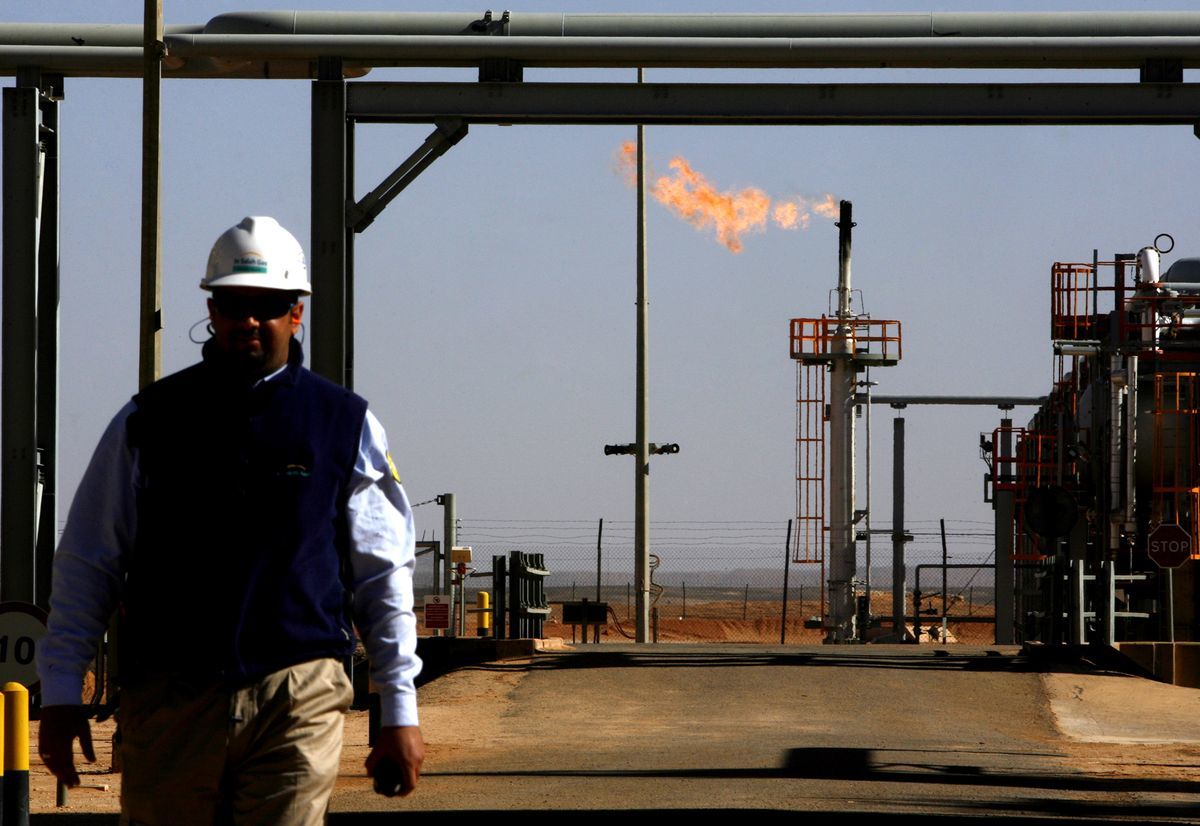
x=59, y=727
x=403, y=746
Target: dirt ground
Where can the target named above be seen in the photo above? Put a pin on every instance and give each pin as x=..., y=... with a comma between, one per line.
x=751, y=622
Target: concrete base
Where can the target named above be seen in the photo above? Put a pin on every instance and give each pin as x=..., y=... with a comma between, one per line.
x=1176, y=663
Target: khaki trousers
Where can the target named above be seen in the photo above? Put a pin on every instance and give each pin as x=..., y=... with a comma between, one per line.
x=266, y=753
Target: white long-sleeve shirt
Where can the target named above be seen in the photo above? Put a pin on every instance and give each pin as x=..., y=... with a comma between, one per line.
x=90, y=564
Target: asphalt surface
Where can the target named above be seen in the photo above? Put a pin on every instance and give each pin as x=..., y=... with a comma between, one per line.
x=890, y=734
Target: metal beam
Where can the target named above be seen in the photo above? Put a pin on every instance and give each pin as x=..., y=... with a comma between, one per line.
x=327, y=316
x=18, y=376
x=981, y=401
x=362, y=214
x=782, y=104
x=47, y=337
x=151, y=321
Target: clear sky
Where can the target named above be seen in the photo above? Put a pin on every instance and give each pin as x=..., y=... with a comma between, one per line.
x=495, y=297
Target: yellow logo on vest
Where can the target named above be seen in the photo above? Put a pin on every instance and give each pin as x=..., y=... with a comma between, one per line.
x=392, y=467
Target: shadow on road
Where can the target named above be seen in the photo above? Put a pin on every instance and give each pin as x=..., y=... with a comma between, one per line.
x=1077, y=660
x=864, y=765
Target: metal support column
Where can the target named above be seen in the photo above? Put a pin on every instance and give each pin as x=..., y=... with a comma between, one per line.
x=898, y=528
x=18, y=377
x=348, y=311
x=328, y=261
x=1077, y=602
x=1106, y=602
x=641, y=482
x=47, y=338
x=449, y=539
x=150, y=332
x=1002, y=504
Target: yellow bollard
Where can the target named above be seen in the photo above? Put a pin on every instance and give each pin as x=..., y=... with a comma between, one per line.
x=3, y=762
x=483, y=613
x=16, y=755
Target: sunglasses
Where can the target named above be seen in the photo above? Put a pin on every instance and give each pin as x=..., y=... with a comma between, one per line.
x=263, y=306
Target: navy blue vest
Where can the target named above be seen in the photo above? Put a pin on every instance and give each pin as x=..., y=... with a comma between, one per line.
x=239, y=565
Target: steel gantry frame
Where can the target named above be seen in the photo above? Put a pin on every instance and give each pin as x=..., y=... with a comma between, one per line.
x=329, y=47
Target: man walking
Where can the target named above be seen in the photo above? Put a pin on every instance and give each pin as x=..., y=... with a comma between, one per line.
x=239, y=513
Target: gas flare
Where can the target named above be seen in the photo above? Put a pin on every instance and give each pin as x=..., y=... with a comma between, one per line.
x=730, y=214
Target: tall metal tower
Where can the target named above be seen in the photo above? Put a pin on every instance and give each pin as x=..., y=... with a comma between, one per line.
x=830, y=353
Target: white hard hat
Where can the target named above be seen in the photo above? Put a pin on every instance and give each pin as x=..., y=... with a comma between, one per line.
x=258, y=252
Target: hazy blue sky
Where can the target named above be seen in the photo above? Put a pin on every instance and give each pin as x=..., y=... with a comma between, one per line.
x=496, y=295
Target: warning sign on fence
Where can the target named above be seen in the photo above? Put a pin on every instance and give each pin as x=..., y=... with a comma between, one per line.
x=437, y=612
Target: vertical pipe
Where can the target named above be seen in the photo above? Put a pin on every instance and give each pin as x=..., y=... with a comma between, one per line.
x=641, y=495
x=867, y=518
x=787, y=569
x=840, y=622
x=1130, y=424
x=47, y=332
x=18, y=341
x=1171, y=615
x=898, y=528
x=150, y=339
x=450, y=534
x=1078, y=602
x=599, y=556
x=945, y=583
x=327, y=316
x=348, y=242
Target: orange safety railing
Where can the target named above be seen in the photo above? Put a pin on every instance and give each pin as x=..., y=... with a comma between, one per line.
x=1032, y=465
x=1079, y=305
x=1075, y=302
x=868, y=339
x=811, y=421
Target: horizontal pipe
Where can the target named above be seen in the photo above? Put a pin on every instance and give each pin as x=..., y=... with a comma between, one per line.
x=985, y=401
x=693, y=52
x=777, y=103
x=127, y=61
x=894, y=24
x=121, y=60
x=75, y=35
x=900, y=24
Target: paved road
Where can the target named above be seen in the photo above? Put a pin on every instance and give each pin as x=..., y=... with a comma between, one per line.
x=881, y=732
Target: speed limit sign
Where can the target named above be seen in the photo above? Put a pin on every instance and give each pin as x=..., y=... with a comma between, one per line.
x=21, y=626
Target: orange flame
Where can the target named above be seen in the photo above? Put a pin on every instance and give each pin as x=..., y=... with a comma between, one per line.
x=730, y=214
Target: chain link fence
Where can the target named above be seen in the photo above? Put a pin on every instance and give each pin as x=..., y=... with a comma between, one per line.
x=725, y=581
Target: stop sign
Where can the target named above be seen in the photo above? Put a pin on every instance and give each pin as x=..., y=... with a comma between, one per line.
x=1169, y=546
